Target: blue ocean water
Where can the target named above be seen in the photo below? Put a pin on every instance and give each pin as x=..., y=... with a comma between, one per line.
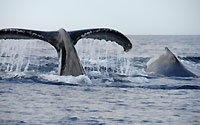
x=116, y=90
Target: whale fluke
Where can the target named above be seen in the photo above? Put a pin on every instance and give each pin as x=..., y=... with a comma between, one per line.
x=168, y=65
x=64, y=42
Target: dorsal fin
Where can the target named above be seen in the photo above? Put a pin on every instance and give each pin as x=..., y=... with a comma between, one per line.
x=170, y=56
x=168, y=51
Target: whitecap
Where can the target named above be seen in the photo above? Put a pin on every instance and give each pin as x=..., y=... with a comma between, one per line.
x=81, y=79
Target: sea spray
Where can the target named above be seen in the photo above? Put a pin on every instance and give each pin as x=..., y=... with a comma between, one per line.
x=37, y=56
x=14, y=55
x=103, y=56
x=79, y=80
x=25, y=56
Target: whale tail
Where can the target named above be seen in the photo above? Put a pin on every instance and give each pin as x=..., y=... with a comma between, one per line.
x=64, y=42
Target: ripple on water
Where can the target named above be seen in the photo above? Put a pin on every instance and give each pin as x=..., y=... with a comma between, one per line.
x=12, y=122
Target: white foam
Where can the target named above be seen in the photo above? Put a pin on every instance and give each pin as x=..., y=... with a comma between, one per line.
x=138, y=79
x=81, y=79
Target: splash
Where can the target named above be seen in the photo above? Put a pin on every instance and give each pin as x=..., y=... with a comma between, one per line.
x=78, y=80
x=24, y=56
x=103, y=56
x=97, y=57
x=14, y=56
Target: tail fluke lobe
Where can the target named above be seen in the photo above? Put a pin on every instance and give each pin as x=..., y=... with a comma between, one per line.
x=102, y=34
x=13, y=33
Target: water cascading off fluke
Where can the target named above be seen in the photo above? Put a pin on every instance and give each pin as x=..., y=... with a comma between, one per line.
x=14, y=56
x=27, y=56
x=103, y=57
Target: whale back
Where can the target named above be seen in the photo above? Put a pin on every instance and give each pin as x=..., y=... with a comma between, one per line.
x=168, y=65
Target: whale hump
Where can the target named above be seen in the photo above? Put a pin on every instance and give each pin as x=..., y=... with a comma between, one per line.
x=102, y=34
x=168, y=65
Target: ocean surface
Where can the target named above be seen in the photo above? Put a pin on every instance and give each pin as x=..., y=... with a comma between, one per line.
x=116, y=89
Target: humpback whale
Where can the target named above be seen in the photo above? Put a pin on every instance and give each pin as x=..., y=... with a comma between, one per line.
x=64, y=42
x=168, y=65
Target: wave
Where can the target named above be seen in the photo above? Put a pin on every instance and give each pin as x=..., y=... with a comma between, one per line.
x=117, y=81
x=49, y=79
x=167, y=87
x=162, y=87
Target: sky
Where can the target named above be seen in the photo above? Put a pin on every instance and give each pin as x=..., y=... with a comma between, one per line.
x=136, y=17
